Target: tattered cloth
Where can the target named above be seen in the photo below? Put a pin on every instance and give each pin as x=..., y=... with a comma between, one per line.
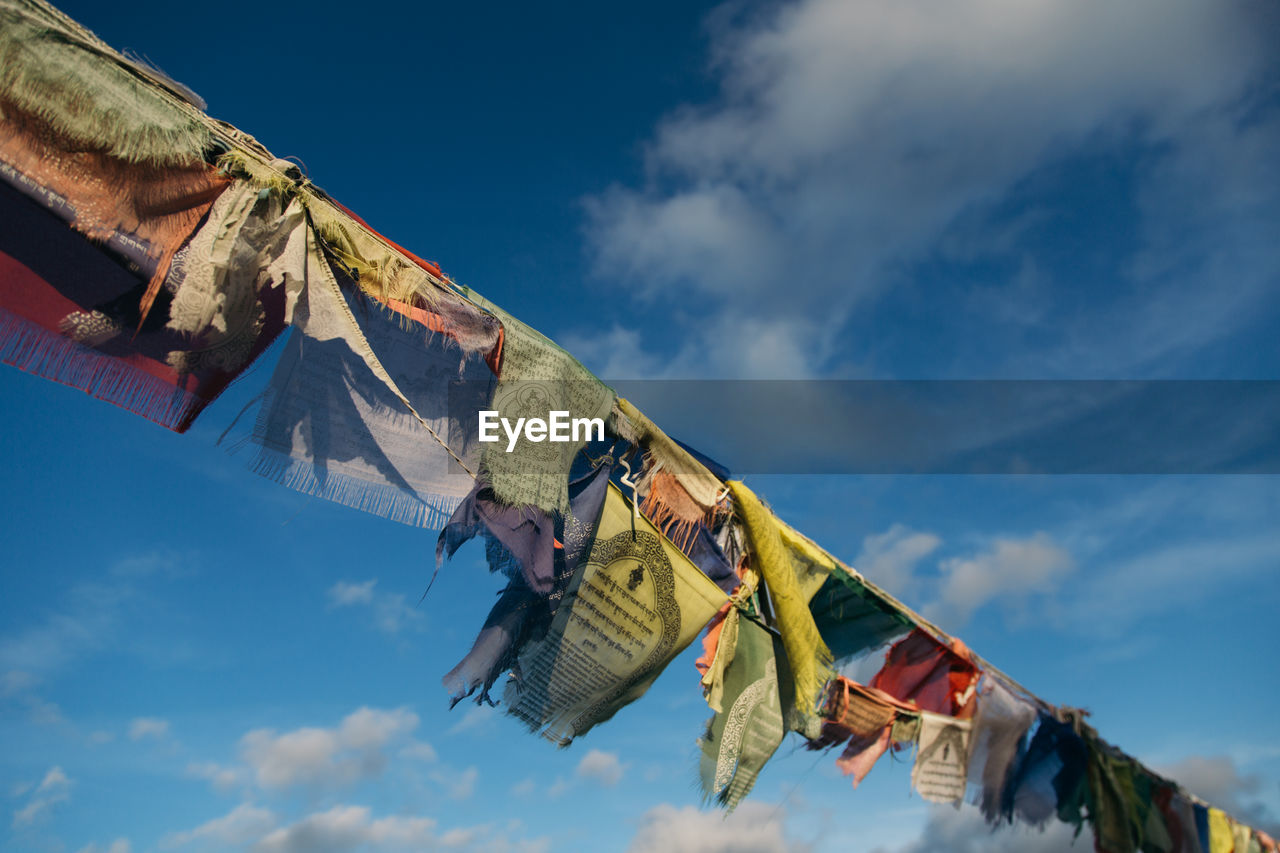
x=999, y=740
x=368, y=406
x=793, y=570
x=740, y=739
x=865, y=720
x=940, y=768
x=636, y=603
x=537, y=377
x=934, y=677
x=524, y=544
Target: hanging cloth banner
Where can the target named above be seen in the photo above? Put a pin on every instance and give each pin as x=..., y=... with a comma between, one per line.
x=635, y=603
x=744, y=736
x=69, y=312
x=999, y=740
x=368, y=407
x=792, y=573
x=934, y=677
x=850, y=618
x=524, y=611
x=537, y=377
x=95, y=142
x=867, y=721
x=680, y=491
x=941, y=769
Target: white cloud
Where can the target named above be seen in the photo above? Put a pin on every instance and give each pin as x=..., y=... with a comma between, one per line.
x=950, y=830
x=889, y=559
x=391, y=613
x=222, y=778
x=603, y=767
x=148, y=727
x=1218, y=781
x=852, y=140
x=751, y=828
x=1010, y=572
x=242, y=825
x=459, y=785
x=419, y=750
x=343, y=594
x=54, y=788
x=348, y=827
x=120, y=845
x=319, y=756
x=478, y=719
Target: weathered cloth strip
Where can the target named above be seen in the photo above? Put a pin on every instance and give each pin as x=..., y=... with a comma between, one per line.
x=851, y=711
x=367, y=407
x=523, y=613
x=867, y=721
x=1115, y=811
x=936, y=678
x=636, y=603
x=850, y=619
x=664, y=455
x=940, y=769
x=1179, y=819
x=791, y=579
x=999, y=740
x=71, y=314
x=537, y=377
x=741, y=739
x=1220, y=839
x=55, y=72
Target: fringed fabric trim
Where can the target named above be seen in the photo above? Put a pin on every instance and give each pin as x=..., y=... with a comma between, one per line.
x=387, y=501
x=47, y=354
x=88, y=94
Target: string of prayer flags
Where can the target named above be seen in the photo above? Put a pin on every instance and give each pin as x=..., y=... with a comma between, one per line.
x=150, y=254
x=634, y=604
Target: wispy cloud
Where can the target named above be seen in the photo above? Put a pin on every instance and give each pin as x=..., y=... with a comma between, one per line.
x=345, y=827
x=602, y=767
x=390, y=612
x=877, y=154
x=758, y=827
x=54, y=788
x=154, y=728
x=326, y=757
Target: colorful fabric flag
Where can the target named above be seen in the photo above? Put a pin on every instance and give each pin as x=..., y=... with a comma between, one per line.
x=536, y=378
x=369, y=406
x=635, y=603
x=850, y=618
x=1000, y=727
x=941, y=769
x=934, y=677
x=792, y=576
x=744, y=736
x=523, y=611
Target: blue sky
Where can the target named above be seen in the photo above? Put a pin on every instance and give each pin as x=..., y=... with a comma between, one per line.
x=193, y=658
